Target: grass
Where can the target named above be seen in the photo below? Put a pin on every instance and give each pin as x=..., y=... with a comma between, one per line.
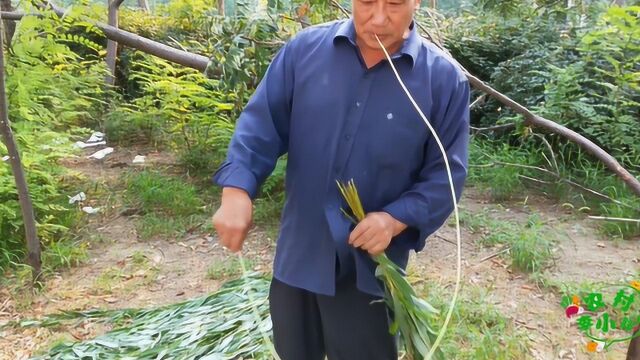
x=530, y=243
x=169, y=205
x=502, y=182
x=490, y=171
x=565, y=287
x=137, y=272
x=478, y=331
x=228, y=268
x=152, y=191
x=18, y=283
x=56, y=255
x=64, y=254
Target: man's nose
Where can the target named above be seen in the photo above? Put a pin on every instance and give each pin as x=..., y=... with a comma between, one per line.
x=379, y=17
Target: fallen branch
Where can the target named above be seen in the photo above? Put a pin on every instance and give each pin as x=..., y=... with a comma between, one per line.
x=558, y=177
x=614, y=219
x=438, y=236
x=497, y=128
x=495, y=254
x=477, y=101
x=194, y=61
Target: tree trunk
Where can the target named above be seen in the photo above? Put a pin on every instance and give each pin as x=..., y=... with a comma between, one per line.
x=33, y=244
x=434, y=4
x=8, y=25
x=112, y=46
x=221, y=7
x=144, y=5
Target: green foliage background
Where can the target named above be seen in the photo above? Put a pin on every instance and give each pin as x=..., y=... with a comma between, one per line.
x=576, y=66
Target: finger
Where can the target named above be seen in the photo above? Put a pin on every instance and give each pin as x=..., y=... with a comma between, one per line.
x=364, y=237
x=358, y=230
x=372, y=242
x=238, y=240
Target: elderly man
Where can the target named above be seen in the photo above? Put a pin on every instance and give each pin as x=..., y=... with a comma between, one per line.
x=331, y=102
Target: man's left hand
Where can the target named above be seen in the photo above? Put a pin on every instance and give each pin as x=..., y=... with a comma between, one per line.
x=374, y=233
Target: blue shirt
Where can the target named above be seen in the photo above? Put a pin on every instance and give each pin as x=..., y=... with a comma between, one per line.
x=338, y=120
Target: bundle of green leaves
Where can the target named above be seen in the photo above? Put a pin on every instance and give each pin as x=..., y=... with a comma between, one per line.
x=411, y=315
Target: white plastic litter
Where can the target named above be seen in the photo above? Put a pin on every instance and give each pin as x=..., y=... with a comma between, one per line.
x=82, y=145
x=90, y=210
x=95, y=137
x=101, y=154
x=139, y=159
x=78, y=197
x=5, y=158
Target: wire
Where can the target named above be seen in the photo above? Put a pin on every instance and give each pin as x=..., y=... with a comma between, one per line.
x=453, y=198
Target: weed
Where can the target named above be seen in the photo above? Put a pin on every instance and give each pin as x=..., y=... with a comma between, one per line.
x=530, y=243
x=153, y=191
x=481, y=331
x=64, y=254
x=227, y=268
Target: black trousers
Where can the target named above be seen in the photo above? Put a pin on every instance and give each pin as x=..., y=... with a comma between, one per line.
x=347, y=326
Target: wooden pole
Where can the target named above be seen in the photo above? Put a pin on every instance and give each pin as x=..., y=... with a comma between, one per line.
x=112, y=46
x=33, y=244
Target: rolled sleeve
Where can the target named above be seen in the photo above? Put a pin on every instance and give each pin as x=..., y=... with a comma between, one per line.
x=230, y=175
x=427, y=204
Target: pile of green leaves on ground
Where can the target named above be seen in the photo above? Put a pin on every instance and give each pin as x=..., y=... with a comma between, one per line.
x=228, y=324
x=53, y=92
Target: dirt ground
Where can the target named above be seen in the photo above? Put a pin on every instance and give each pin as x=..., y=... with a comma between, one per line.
x=124, y=271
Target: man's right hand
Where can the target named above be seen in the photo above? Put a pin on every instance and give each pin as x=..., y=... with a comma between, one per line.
x=232, y=220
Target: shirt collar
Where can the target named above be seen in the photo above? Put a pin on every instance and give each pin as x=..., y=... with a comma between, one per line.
x=410, y=47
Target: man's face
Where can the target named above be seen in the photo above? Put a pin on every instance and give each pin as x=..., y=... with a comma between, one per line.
x=389, y=19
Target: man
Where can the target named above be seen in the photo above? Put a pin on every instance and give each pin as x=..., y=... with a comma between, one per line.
x=331, y=102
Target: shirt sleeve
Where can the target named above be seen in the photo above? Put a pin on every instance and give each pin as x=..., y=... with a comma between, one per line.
x=427, y=204
x=262, y=130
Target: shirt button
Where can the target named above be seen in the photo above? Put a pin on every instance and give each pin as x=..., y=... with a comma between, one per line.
x=336, y=169
x=347, y=137
x=358, y=103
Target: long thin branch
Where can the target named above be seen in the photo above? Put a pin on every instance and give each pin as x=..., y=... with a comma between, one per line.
x=614, y=219
x=478, y=101
x=496, y=128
